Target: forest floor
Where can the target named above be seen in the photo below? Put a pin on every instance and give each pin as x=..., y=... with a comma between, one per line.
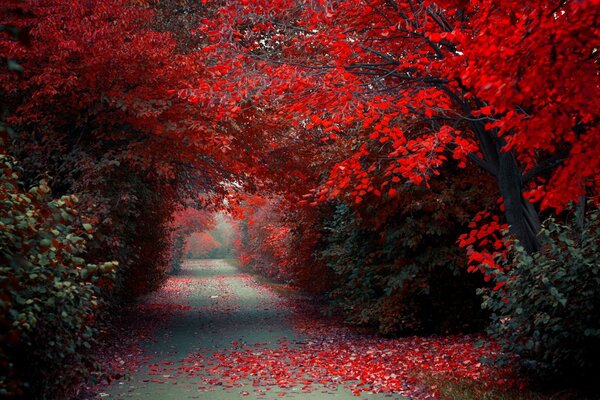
x=213, y=332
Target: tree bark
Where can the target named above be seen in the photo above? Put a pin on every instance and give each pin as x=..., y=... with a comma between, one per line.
x=521, y=215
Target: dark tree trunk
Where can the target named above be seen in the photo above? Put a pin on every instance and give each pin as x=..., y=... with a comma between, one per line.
x=521, y=215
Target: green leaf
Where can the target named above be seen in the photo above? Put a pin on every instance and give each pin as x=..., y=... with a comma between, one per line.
x=14, y=66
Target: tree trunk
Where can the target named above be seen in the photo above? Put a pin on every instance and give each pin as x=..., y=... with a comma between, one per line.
x=521, y=215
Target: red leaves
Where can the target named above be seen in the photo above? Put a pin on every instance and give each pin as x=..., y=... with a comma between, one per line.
x=331, y=357
x=201, y=244
x=411, y=94
x=326, y=354
x=485, y=243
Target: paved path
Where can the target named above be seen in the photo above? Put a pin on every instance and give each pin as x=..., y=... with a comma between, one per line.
x=214, y=308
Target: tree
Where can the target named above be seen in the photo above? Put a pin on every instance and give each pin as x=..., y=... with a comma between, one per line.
x=414, y=84
x=200, y=245
x=92, y=107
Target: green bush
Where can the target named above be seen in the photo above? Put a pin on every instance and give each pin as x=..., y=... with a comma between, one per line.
x=404, y=276
x=50, y=296
x=546, y=309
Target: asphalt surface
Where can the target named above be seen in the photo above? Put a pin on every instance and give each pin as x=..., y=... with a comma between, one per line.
x=215, y=308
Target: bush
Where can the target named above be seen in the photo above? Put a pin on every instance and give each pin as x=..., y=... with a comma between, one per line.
x=546, y=306
x=50, y=296
x=404, y=276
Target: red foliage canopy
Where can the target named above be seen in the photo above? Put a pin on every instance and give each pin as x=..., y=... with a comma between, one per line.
x=268, y=94
x=402, y=88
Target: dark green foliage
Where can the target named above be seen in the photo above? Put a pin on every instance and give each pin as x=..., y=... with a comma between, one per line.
x=176, y=255
x=132, y=228
x=50, y=295
x=403, y=274
x=547, y=307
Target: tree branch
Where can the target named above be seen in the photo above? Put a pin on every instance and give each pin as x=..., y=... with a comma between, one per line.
x=483, y=164
x=545, y=166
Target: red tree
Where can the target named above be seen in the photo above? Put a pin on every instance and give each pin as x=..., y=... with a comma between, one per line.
x=96, y=107
x=201, y=244
x=412, y=85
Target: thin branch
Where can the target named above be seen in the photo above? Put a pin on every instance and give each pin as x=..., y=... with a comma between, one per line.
x=545, y=166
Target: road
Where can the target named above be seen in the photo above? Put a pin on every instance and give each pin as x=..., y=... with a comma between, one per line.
x=213, y=309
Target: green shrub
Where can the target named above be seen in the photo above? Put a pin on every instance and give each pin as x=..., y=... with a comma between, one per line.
x=547, y=309
x=49, y=294
x=404, y=276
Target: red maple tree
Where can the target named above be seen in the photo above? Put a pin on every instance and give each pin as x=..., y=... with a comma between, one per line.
x=414, y=85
